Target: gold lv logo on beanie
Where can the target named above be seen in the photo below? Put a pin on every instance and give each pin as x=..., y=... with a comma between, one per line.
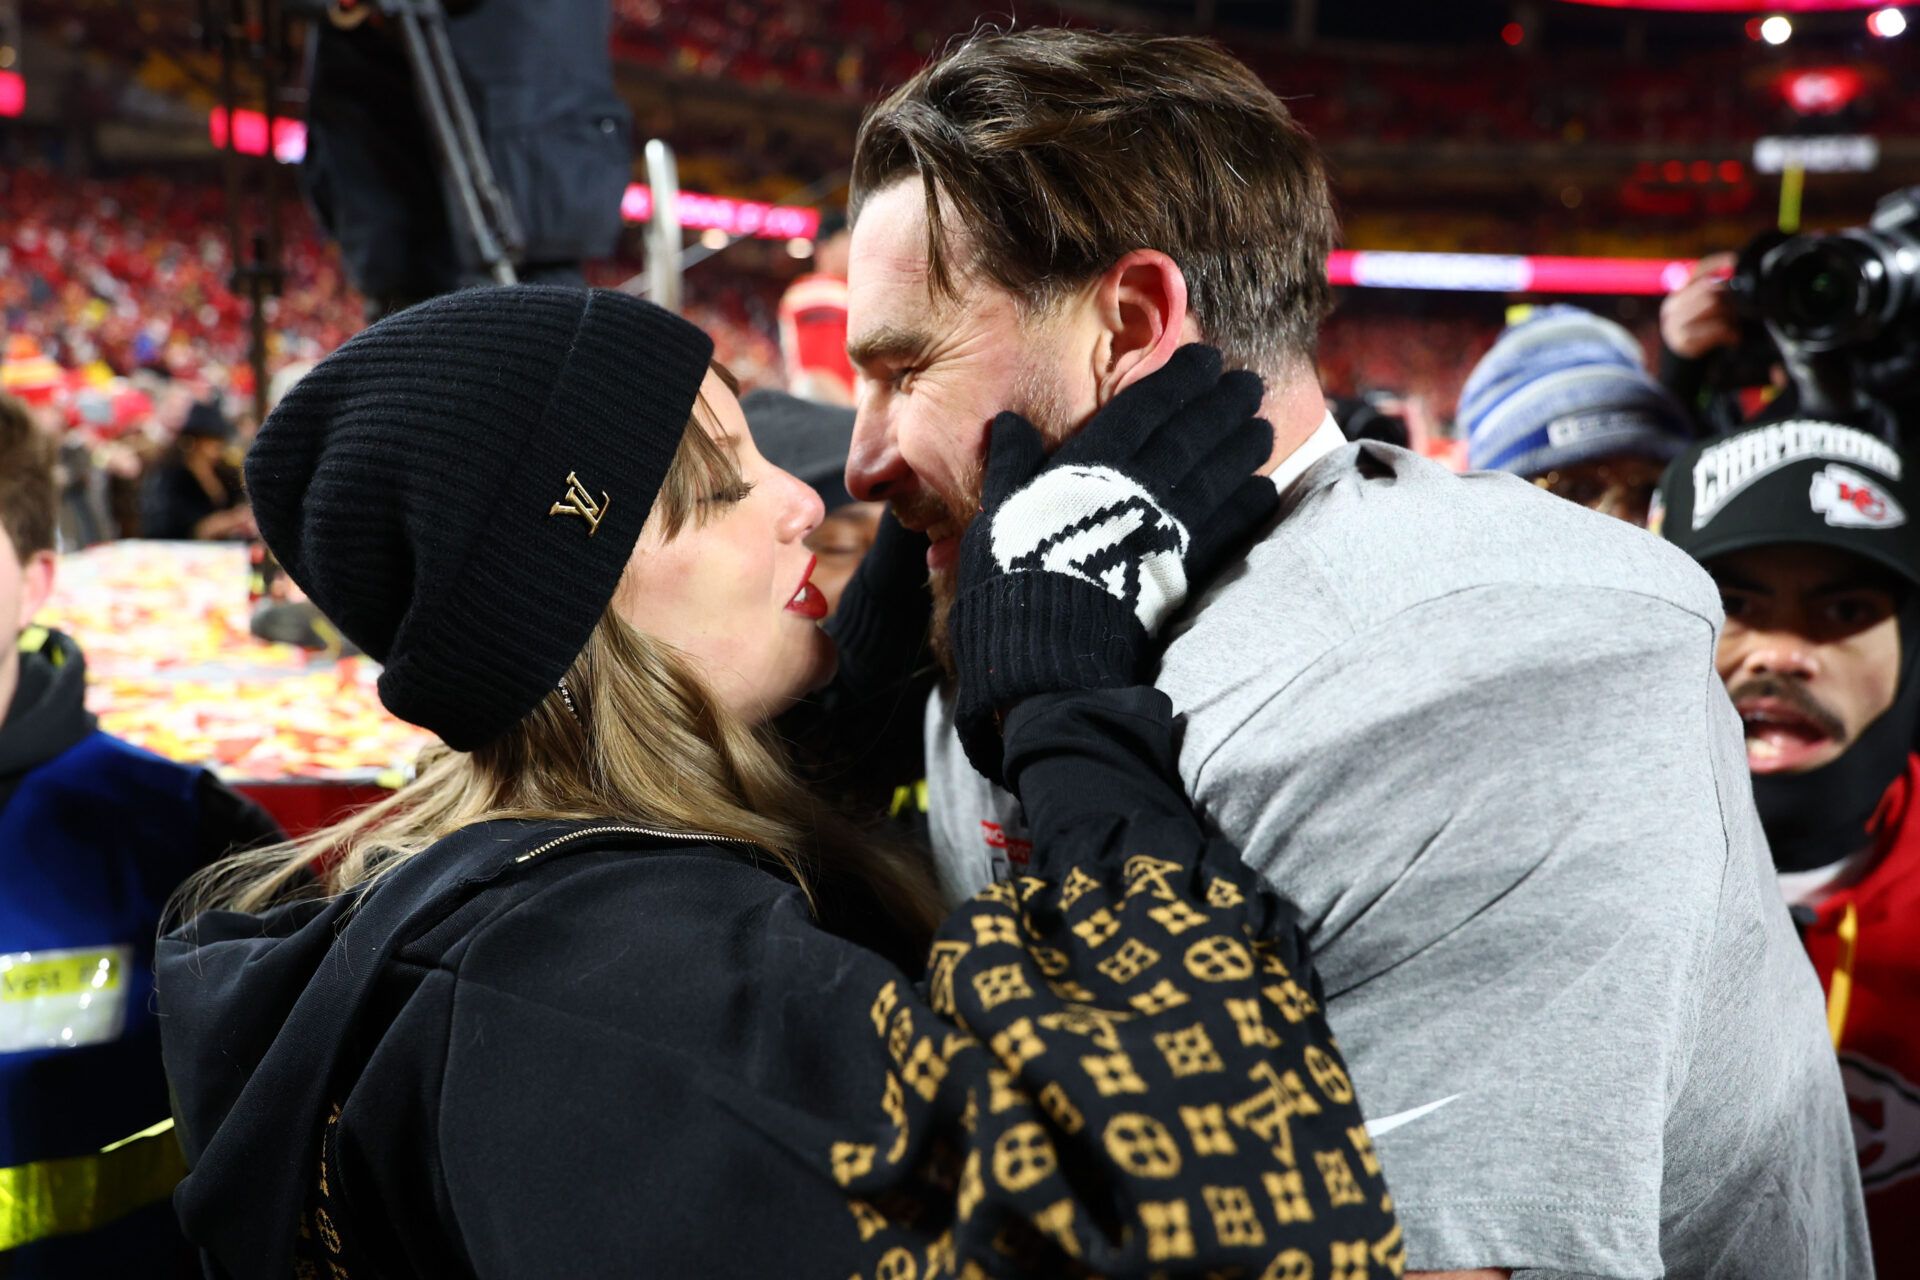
x=580, y=503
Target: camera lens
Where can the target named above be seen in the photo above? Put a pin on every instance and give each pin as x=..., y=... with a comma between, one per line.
x=1820, y=292
x=1825, y=292
x=1841, y=310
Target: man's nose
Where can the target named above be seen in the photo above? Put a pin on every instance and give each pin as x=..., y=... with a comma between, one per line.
x=1780, y=653
x=875, y=469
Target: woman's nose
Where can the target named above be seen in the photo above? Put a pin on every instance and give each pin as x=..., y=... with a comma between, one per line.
x=804, y=509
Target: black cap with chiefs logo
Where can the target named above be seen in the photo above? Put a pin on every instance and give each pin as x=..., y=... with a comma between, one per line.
x=1800, y=481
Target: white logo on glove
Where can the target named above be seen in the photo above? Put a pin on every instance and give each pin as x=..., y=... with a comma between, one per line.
x=1098, y=525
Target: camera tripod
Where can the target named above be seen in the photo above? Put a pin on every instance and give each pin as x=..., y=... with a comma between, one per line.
x=253, y=34
x=468, y=174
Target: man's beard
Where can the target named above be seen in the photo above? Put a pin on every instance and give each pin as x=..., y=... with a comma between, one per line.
x=1041, y=400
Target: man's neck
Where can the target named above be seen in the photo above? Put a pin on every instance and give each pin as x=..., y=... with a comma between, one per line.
x=1295, y=406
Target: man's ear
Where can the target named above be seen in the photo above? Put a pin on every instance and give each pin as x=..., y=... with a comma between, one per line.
x=36, y=584
x=1141, y=305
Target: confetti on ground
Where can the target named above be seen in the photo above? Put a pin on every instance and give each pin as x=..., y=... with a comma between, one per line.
x=171, y=667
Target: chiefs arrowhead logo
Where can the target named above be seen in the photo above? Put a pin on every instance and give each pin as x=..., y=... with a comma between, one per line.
x=1850, y=499
x=1098, y=525
x=1886, y=1121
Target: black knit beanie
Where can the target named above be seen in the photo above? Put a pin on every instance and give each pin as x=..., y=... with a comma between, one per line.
x=459, y=487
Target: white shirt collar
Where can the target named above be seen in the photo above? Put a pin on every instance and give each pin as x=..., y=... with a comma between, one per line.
x=1325, y=439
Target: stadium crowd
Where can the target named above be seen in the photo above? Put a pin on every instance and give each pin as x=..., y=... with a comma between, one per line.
x=118, y=302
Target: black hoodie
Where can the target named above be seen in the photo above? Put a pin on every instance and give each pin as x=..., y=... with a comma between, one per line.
x=48, y=714
x=577, y=1049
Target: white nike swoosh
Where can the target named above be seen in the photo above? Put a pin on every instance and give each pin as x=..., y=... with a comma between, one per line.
x=1387, y=1124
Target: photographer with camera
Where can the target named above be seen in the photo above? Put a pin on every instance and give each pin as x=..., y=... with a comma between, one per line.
x=1806, y=528
x=1830, y=321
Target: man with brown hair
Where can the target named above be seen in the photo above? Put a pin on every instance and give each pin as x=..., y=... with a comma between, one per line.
x=1573, y=1003
x=94, y=836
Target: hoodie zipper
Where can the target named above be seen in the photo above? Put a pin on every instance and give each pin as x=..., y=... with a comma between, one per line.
x=557, y=841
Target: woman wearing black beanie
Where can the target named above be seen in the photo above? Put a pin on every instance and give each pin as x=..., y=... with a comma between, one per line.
x=604, y=991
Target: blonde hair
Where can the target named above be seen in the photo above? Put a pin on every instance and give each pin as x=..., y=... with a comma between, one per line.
x=649, y=745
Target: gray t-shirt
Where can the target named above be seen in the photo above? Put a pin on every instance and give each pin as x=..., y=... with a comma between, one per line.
x=1475, y=733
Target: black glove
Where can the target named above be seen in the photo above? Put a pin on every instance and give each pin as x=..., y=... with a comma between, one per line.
x=1075, y=561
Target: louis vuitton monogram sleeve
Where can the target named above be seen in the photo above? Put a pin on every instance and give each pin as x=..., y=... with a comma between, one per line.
x=1120, y=1067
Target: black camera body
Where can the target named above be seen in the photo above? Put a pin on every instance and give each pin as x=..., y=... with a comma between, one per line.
x=1841, y=312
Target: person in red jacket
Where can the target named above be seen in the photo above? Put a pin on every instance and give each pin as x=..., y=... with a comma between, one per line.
x=1808, y=527
x=813, y=320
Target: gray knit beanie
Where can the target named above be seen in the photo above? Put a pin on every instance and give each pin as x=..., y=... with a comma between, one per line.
x=1564, y=387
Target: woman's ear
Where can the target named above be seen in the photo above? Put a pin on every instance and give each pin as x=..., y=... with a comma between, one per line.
x=1141, y=306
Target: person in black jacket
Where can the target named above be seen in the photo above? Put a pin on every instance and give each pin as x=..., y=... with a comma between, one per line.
x=538, y=77
x=595, y=995
x=194, y=492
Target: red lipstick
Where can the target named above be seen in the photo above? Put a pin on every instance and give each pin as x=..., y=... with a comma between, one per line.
x=808, y=602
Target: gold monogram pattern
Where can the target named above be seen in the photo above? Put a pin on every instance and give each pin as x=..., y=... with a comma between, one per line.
x=320, y=1248
x=1252, y=1024
x=941, y=963
x=579, y=502
x=1132, y=959
x=1235, y=1220
x=1189, y=1051
x=1289, y=1193
x=989, y=930
x=1162, y=996
x=1113, y=1073
x=1219, y=960
x=1177, y=917
x=1155, y=1025
x=1142, y=1146
x=998, y=985
x=1207, y=1130
x=1022, y=1157
x=1169, y=1233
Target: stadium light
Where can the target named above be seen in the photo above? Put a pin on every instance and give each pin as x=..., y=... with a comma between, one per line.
x=1505, y=273
x=737, y=218
x=1820, y=91
x=1886, y=23
x=1776, y=30
x=250, y=134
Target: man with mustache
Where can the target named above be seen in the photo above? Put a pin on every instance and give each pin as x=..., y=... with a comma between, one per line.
x=1586, y=1037
x=1809, y=530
